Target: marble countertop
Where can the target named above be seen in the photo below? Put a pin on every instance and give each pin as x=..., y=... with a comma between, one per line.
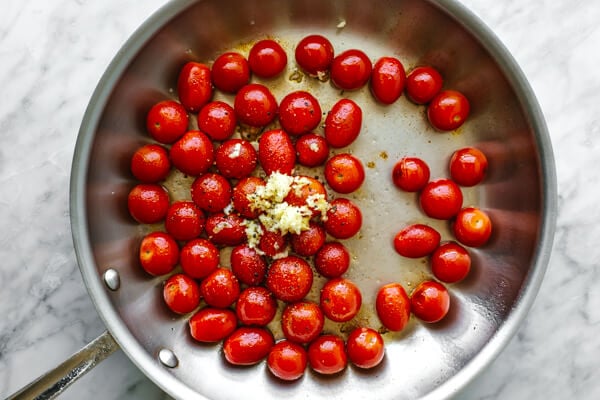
x=53, y=54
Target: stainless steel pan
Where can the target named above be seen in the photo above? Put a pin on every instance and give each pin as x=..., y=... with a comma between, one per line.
x=519, y=193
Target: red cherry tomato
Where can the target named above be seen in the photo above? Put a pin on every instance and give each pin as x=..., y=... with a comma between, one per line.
x=302, y=322
x=422, y=84
x=351, y=69
x=220, y=289
x=387, y=79
x=468, y=166
x=393, y=306
x=450, y=263
x=267, y=58
x=248, y=345
x=230, y=72
x=236, y=158
x=255, y=105
x=365, y=348
x=416, y=241
x=276, y=152
x=217, y=120
x=181, y=293
x=340, y=300
x=344, y=219
x=410, y=174
x=256, y=306
x=301, y=191
x=343, y=123
x=441, y=199
x=272, y=243
x=327, y=355
x=289, y=278
x=199, y=258
x=148, y=203
x=211, y=325
x=299, y=113
x=184, y=220
x=211, y=192
x=314, y=54
x=194, y=86
x=249, y=266
x=472, y=227
x=287, y=360
x=158, y=253
x=150, y=163
x=167, y=121
x=228, y=230
x=344, y=173
x=308, y=242
x=448, y=110
x=430, y=301
x=193, y=154
x=332, y=260
x=246, y=186
x=311, y=150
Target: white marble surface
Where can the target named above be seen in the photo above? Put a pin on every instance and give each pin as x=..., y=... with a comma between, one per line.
x=51, y=57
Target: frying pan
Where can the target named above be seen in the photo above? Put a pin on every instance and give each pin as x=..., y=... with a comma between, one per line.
x=423, y=361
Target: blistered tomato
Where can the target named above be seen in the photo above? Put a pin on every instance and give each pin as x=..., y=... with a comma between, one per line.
x=256, y=306
x=236, y=158
x=255, y=105
x=441, y=199
x=290, y=278
x=343, y=123
x=340, y=299
x=365, y=347
x=158, y=253
x=299, y=113
x=287, y=360
x=217, y=120
x=351, y=69
x=184, y=220
x=267, y=58
x=314, y=54
x=210, y=325
x=430, y=301
x=194, y=86
x=410, y=174
x=472, y=227
x=332, y=260
x=193, y=154
x=181, y=294
x=327, y=355
x=311, y=150
x=249, y=266
x=302, y=322
x=220, y=289
x=245, y=187
x=344, y=219
x=148, y=203
x=167, y=121
x=448, y=110
x=230, y=72
x=393, y=306
x=276, y=152
x=309, y=241
x=344, y=173
x=247, y=345
x=225, y=229
x=199, y=258
x=211, y=192
x=150, y=163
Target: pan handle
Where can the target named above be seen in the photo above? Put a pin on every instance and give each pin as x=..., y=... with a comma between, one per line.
x=54, y=382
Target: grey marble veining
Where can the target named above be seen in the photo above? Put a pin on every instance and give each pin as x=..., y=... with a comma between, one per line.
x=52, y=55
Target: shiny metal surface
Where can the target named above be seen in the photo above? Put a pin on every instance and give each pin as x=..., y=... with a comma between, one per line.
x=429, y=362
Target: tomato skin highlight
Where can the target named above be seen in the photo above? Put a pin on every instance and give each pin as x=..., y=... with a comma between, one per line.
x=393, y=306
x=211, y=325
x=340, y=300
x=410, y=174
x=181, y=294
x=167, y=121
x=415, y=241
x=468, y=166
x=148, y=203
x=430, y=301
x=343, y=123
x=247, y=345
x=327, y=355
x=276, y=152
x=450, y=263
x=472, y=227
x=287, y=360
x=314, y=54
x=448, y=110
x=194, y=86
x=387, y=80
x=441, y=199
x=158, y=253
x=365, y=348
x=423, y=83
x=350, y=69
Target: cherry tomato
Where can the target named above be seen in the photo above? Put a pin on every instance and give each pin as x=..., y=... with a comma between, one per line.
x=246, y=186
x=327, y=355
x=248, y=345
x=303, y=189
x=450, y=262
x=256, y=306
x=344, y=219
x=410, y=174
x=387, y=80
x=211, y=192
x=308, y=242
x=236, y=158
x=193, y=154
x=249, y=266
x=350, y=69
x=276, y=152
x=448, y=110
x=393, y=306
x=468, y=166
x=220, y=289
x=340, y=299
x=302, y=322
x=167, y=121
x=422, y=84
x=272, y=243
x=365, y=348
x=314, y=54
x=430, y=301
x=184, y=220
x=289, y=278
x=217, y=120
x=148, y=203
x=332, y=260
x=344, y=173
x=472, y=227
x=299, y=113
x=287, y=360
x=194, y=86
x=267, y=58
x=441, y=199
x=311, y=150
x=343, y=123
x=211, y=325
x=230, y=72
x=228, y=230
x=255, y=105
x=181, y=293
x=150, y=163
x=158, y=253
x=416, y=241
x=199, y=258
